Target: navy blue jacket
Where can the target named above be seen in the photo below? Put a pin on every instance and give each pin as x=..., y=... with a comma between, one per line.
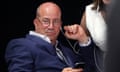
x=33, y=54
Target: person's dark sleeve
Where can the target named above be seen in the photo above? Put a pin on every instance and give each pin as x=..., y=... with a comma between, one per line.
x=88, y=56
x=18, y=57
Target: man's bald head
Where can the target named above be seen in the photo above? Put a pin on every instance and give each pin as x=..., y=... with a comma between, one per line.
x=48, y=20
x=48, y=7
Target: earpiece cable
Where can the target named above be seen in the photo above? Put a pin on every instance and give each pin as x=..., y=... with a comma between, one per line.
x=72, y=46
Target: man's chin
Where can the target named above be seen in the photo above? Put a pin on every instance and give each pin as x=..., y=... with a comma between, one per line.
x=52, y=38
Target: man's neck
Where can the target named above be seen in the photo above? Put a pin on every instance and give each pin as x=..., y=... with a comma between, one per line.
x=53, y=42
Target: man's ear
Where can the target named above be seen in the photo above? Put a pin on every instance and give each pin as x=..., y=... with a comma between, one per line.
x=35, y=21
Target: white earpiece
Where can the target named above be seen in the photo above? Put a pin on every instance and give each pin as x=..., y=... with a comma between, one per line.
x=61, y=28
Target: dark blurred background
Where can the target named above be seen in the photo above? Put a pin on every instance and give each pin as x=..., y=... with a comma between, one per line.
x=21, y=14
x=112, y=60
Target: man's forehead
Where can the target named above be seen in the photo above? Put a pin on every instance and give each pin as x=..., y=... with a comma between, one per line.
x=48, y=7
x=48, y=4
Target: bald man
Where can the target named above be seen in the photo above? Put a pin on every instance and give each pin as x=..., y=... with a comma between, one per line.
x=40, y=51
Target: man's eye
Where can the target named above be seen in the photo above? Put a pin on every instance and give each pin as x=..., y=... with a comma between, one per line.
x=57, y=21
x=44, y=21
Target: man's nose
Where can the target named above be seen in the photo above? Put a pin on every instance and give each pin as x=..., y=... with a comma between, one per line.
x=51, y=25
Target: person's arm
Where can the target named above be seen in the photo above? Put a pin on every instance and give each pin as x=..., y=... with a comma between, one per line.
x=88, y=56
x=87, y=49
x=79, y=33
x=18, y=57
x=83, y=24
x=76, y=32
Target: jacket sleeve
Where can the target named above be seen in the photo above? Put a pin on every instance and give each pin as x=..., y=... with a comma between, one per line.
x=88, y=56
x=18, y=57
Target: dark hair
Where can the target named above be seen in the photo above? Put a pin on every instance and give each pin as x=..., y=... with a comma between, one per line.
x=98, y=3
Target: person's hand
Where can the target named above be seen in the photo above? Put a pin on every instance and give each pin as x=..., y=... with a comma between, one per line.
x=76, y=32
x=69, y=69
